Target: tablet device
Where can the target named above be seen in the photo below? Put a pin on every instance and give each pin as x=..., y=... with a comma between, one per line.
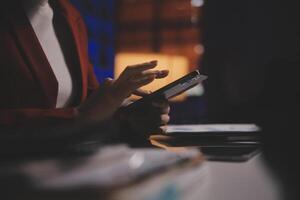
x=173, y=89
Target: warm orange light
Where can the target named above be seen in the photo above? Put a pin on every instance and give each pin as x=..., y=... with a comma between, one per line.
x=178, y=66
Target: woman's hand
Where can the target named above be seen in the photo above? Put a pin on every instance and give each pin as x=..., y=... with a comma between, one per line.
x=150, y=118
x=134, y=77
x=103, y=103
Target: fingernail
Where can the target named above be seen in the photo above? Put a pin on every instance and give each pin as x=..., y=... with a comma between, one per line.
x=152, y=76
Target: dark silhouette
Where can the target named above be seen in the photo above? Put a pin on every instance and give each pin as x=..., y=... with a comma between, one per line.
x=252, y=60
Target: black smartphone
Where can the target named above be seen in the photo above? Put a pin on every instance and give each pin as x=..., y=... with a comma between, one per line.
x=173, y=89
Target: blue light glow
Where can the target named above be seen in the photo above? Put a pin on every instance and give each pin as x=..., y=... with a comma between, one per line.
x=98, y=16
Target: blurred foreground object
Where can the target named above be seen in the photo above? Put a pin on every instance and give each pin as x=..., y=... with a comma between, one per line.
x=106, y=174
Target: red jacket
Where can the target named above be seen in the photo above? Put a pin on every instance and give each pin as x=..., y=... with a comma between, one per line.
x=28, y=86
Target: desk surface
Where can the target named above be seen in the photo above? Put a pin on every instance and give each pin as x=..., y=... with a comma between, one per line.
x=247, y=181
x=217, y=181
x=206, y=181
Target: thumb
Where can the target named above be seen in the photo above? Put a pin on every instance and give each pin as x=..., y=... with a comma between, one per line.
x=108, y=82
x=141, y=92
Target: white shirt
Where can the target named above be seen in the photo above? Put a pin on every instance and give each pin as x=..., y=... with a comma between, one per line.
x=40, y=15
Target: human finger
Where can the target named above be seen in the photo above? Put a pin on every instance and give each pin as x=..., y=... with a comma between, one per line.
x=127, y=88
x=157, y=120
x=160, y=103
x=136, y=69
x=163, y=129
x=164, y=110
x=143, y=75
x=141, y=92
x=142, y=82
x=108, y=81
x=164, y=119
x=160, y=130
x=145, y=64
x=162, y=74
